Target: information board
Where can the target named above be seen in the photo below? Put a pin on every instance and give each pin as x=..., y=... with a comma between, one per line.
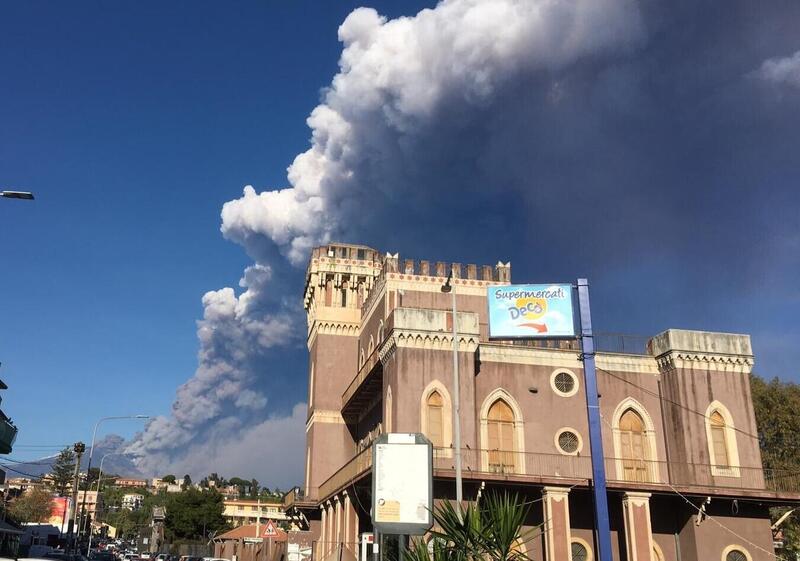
x=402, y=484
x=531, y=311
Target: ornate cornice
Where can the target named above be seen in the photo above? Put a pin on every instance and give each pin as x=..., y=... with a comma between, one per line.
x=321, y=327
x=678, y=360
x=327, y=416
x=412, y=339
x=421, y=283
x=387, y=349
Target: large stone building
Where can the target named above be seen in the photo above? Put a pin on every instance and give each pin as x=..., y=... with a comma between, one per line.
x=685, y=477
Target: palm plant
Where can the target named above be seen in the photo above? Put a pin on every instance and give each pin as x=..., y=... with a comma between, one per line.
x=489, y=531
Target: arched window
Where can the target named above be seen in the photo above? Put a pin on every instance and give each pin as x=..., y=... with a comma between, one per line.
x=502, y=434
x=723, y=451
x=658, y=555
x=633, y=447
x=371, y=345
x=311, y=387
x=436, y=416
x=501, y=438
x=380, y=332
x=580, y=550
x=435, y=405
x=718, y=444
x=328, y=290
x=736, y=553
x=635, y=443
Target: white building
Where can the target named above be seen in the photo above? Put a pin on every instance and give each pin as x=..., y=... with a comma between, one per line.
x=132, y=501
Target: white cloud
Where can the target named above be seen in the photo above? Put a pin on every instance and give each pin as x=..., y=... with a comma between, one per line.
x=781, y=71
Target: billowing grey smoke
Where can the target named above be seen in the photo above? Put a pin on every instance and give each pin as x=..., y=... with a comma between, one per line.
x=396, y=77
x=600, y=132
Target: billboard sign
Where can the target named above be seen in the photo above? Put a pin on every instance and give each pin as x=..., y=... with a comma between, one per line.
x=531, y=311
x=402, y=484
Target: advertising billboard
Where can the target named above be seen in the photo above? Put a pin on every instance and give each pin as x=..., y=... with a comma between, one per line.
x=531, y=311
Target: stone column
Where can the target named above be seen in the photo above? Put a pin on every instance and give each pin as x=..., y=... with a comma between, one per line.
x=331, y=528
x=338, y=532
x=638, y=531
x=350, y=525
x=323, y=536
x=557, y=545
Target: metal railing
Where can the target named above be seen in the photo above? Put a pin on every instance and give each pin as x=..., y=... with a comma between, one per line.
x=620, y=470
x=299, y=495
x=357, y=465
x=512, y=465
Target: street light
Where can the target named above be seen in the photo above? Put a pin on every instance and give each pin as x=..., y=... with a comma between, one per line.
x=447, y=287
x=97, y=499
x=91, y=450
x=17, y=195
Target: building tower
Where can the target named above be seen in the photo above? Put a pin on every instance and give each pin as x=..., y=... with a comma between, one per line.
x=338, y=282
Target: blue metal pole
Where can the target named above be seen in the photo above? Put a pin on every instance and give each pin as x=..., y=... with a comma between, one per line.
x=601, y=522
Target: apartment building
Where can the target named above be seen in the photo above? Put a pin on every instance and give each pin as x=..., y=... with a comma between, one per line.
x=684, y=469
x=243, y=511
x=130, y=482
x=132, y=501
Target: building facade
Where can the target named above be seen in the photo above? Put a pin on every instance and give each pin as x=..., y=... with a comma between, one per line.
x=130, y=482
x=684, y=469
x=243, y=511
x=132, y=501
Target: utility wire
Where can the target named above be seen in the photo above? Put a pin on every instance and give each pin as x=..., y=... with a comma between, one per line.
x=21, y=472
x=672, y=402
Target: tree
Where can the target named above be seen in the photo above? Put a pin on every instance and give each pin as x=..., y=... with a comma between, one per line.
x=33, y=506
x=776, y=404
x=241, y=484
x=91, y=478
x=193, y=514
x=63, y=471
x=168, y=479
x=187, y=481
x=253, y=488
x=489, y=531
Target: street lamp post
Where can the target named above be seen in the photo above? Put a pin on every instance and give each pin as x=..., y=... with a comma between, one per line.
x=91, y=451
x=447, y=287
x=97, y=500
x=17, y=195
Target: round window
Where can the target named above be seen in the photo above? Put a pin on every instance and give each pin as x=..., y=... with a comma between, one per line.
x=564, y=383
x=736, y=555
x=569, y=442
x=579, y=552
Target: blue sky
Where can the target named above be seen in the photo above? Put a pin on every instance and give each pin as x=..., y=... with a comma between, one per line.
x=655, y=157
x=133, y=124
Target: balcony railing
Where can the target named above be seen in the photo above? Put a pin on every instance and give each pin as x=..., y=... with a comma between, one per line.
x=300, y=496
x=620, y=472
x=358, y=465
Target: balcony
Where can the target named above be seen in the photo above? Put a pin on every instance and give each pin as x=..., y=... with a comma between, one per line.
x=300, y=498
x=351, y=472
x=622, y=474
x=8, y=434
